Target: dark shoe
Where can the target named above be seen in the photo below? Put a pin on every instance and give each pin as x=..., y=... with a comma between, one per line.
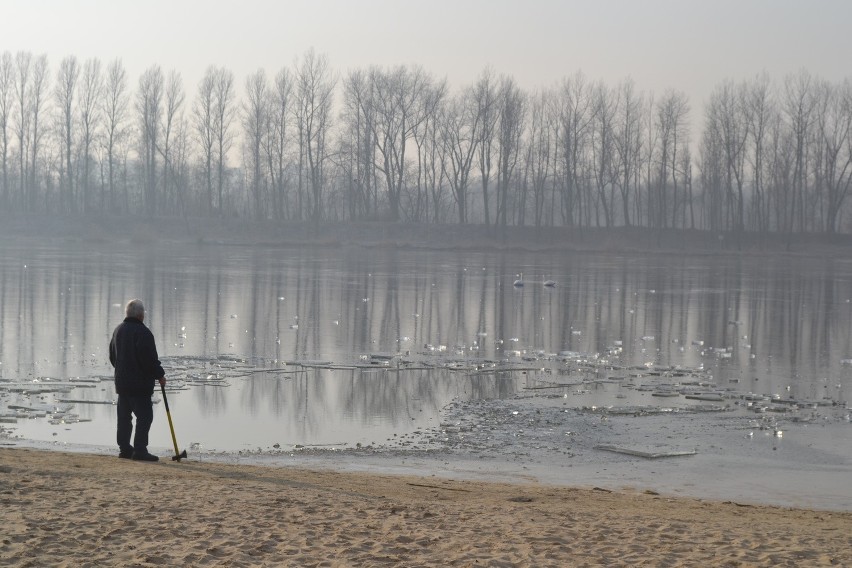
x=145, y=457
x=125, y=455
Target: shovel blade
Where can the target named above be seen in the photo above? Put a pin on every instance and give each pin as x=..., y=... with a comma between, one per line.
x=180, y=456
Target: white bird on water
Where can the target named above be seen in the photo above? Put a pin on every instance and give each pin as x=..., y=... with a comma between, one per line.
x=550, y=283
x=520, y=281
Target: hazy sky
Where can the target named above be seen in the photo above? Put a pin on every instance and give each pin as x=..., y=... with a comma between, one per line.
x=687, y=45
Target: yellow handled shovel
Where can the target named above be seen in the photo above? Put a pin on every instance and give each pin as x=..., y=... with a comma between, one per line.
x=178, y=455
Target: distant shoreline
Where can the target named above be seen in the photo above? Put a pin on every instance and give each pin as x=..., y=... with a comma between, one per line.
x=245, y=232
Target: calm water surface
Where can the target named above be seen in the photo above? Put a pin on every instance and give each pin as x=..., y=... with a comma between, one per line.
x=272, y=346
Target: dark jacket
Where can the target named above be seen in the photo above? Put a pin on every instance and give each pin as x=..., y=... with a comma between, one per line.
x=134, y=355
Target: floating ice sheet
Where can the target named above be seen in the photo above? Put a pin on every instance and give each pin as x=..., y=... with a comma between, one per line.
x=646, y=453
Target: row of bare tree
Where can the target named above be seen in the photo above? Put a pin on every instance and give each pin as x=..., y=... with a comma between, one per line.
x=399, y=144
x=777, y=159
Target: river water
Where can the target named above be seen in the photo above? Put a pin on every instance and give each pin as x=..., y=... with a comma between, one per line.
x=563, y=367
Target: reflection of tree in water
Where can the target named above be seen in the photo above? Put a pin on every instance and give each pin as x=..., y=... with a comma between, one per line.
x=212, y=401
x=398, y=397
x=355, y=303
x=56, y=316
x=389, y=326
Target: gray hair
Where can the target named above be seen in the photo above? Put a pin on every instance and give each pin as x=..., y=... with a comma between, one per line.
x=134, y=309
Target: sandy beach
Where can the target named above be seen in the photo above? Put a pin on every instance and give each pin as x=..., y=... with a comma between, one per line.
x=68, y=509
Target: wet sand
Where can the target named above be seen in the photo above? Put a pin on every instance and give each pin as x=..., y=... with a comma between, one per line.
x=70, y=509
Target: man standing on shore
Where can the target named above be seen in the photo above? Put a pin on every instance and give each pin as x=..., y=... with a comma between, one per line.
x=133, y=353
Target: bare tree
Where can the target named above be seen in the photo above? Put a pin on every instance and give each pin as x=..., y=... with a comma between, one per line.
x=174, y=98
x=7, y=89
x=358, y=147
x=680, y=145
x=603, y=151
x=487, y=106
x=798, y=106
x=781, y=173
x=64, y=93
x=212, y=116
x=460, y=134
x=770, y=157
x=510, y=128
x=711, y=166
x=255, y=126
x=672, y=113
x=279, y=103
x=628, y=145
x=576, y=112
x=204, y=125
x=23, y=65
x=685, y=168
x=432, y=169
x=646, y=199
x=180, y=161
x=37, y=100
x=538, y=163
x=404, y=98
x=834, y=124
x=727, y=105
x=90, y=122
x=314, y=96
x=149, y=99
x=114, y=109
x=224, y=111
x=760, y=111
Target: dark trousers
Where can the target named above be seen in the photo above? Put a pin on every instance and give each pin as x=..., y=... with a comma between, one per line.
x=143, y=409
